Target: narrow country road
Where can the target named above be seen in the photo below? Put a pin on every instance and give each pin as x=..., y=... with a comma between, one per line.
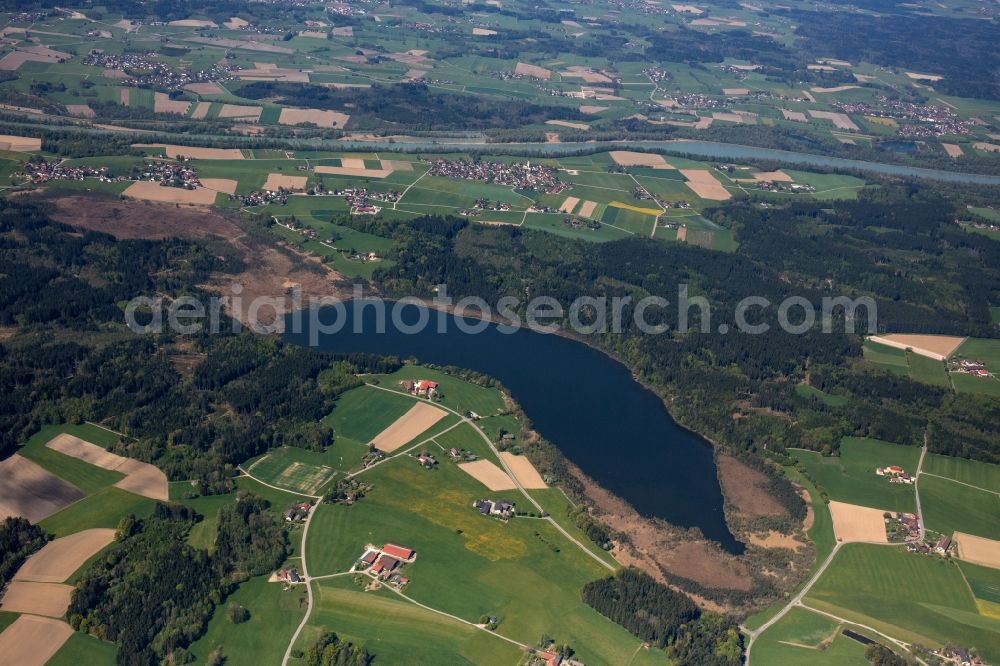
x=916, y=490
x=517, y=483
x=795, y=601
x=308, y=582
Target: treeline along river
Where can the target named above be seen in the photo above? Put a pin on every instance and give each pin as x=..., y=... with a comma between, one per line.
x=586, y=403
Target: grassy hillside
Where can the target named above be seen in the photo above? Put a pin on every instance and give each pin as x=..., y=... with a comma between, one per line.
x=850, y=477
x=524, y=572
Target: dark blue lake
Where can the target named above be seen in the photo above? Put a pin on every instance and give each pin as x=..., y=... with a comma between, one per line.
x=584, y=402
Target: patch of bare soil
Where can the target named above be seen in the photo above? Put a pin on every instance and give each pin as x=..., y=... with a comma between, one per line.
x=810, y=516
x=656, y=547
x=746, y=489
x=271, y=266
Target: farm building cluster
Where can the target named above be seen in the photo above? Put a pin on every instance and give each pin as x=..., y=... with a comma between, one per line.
x=290, y=576
x=421, y=387
x=895, y=474
x=909, y=526
x=974, y=368
x=426, y=460
x=386, y=562
x=522, y=175
x=297, y=512
x=499, y=509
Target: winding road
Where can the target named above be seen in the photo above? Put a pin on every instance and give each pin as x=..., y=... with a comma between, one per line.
x=307, y=579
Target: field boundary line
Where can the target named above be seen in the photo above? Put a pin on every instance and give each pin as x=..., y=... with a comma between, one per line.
x=463, y=621
x=269, y=485
x=948, y=478
x=403, y=194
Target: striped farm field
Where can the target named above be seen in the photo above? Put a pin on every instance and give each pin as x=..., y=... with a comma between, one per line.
x=973, y=472
x=913, y=597
x=952, y=507
x=285, y=468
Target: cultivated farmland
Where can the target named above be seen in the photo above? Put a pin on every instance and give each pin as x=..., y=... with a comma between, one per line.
x=910, y=596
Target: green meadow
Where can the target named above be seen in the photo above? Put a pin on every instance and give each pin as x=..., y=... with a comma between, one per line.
x=927, y=370
x=973, y=472
x=983, y=581
x=803, y=637
x=953, y=507
x=524, y=572
x=88, y=478
x=364, y=412
x=913, y=597
x=850, y=477
x=303, y=471
x=84, y=649
x=274, y=614
x=887, y=358
x=399, y=632
x=105, y=508
x=807, y=391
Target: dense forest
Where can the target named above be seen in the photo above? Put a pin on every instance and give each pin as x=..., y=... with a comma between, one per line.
x=18, y=539
x=921, y=43
x=896, y=244
x=153, y=614
x=410, y=106
x=245, y=395
x=665, y=618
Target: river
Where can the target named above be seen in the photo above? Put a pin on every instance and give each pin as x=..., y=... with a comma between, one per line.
x=586, y=403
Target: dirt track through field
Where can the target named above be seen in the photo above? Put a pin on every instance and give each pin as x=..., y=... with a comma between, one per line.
x=523, y=471
x=59, y=559
x=28, y=490
x=419, y=418
x=488, y=474
x=858, y=523
x=32, y=640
